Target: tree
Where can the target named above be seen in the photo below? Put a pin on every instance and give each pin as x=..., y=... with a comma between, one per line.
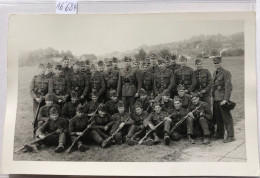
x=141, y=55
x=164, y=52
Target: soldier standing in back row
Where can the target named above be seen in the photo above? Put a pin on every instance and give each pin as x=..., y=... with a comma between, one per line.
x=115, y=66
x=173, y=67
x=40, y=86
x=49, y=71
x=66, y=70
x=163, y=79
x=147, y=80
x=129, y=84
x=185, y=76
x=221, y=93
x=110, y=77
x=204, y=82
x=153, y=64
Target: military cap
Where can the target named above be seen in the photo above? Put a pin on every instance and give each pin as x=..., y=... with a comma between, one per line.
x=100, y=63
x=49, y=66
x=102, y=107
x=183, y=58
x=138, y=105
x=41, y=66
x=114, y=60
x=145, y=63
x=53, y=111
x=80, y=108
x=176, y=98
x=58, y=67
x=48, y=97
x=142, y=92
x=87, y=62
x=65, y=58
x=173, y=57
x=153, y=56
x=73, y=94
x=120, y=104
x=198, y=61
x=194, y=95
x=93, y=66
x=94, y=93
x=157, y=103
x=127, y=58
x=167, y=58
x=160, y=61
x=180, y=87
x=216, y=59
x=113, y=93
x=166, y=93
x=108, y=61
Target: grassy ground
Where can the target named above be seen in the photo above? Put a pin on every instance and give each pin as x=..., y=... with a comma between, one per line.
x=23, y=129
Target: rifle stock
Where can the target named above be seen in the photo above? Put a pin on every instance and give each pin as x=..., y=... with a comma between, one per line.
x=34, y=123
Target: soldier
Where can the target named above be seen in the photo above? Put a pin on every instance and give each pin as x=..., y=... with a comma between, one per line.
x=112, y=104
x=90, y=107
x=136, y=64
x=44, y=112
x=54, y=124
x=49, y=71
x=101, y=127
x=97, y=83
x=177, y=114
x=153, y=64
x=60, y=86
x=101, y=66
x=199, y=120
x=147, y=79
x=185, y=98
x=167, y=102
x=110, y=77
x=163, y=79
x=221, y=93
x=115, y=66
x=204, y=82
x=79, y=82
x=155, y=118
x=173, y=65
x=66, y=70
x=69, y=109
x=185, y=76
x=167, y=62
x=137, y=130
x=40, y=86
x=129, y=84
x=118, y=118
x=144, y=101
x=76, y=126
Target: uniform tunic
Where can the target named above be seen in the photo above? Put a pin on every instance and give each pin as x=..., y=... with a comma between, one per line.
x=79, y=83
x=112, y=107
x=163, y=80
x=185, y=76
x=97, y=83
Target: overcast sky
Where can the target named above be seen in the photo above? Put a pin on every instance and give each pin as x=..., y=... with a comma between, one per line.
x=108, y=33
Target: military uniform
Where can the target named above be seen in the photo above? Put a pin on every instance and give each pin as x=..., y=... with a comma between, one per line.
x=111, y=107
x=222, y=88
x=163, y=79
x=128, y=85
x=185, y=76
x=40, y=86
x=153, y=69
x=44, y=113
x=185, y=101
x=147, y=81
x=97, y=83
x=174, y=67
x=138, y=124
x=69, y=109
x=111, y=81
x=204, y=82
x=168, y=106
x=79, y=83
x=90, y=107
x=145, y=104
x=201, y=122
x=67, y=72
x=176, y=116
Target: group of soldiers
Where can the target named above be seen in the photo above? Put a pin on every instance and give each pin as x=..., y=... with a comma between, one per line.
x=144, y=102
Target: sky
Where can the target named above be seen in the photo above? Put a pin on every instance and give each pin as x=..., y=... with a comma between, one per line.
x=101, y=34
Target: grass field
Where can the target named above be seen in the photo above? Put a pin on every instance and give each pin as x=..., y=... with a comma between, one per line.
x=23, y=127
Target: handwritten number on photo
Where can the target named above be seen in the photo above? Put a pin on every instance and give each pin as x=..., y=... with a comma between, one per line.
x=66, y=7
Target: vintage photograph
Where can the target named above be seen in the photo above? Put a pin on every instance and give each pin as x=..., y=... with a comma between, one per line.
x=131, y=88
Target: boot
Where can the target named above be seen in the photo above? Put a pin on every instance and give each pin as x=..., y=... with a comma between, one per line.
x=118, y=138
x=148, y=142
x=229, y=139
x=82, y=147
x=156, y=139
x=166, y=139
x=217, y=137
x=206, y=140
x=191, y=139
x=131, y=142
x=31, y=148
x=59, y=148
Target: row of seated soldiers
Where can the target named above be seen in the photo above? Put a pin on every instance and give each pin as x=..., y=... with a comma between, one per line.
x=69, y=121
x=154, y=75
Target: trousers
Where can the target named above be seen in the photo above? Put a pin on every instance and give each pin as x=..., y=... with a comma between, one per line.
x=201, y=122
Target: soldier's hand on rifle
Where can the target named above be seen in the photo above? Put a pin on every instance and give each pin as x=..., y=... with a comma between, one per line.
x=203, y=91
x=202, y=113
x=190, y=114
x=136, y=95
x=81, y=97
x=79, y=133
x=105, y=128
x=151, y=127
x=38, y=100
x=41, y=136
x=167, y=119
x=186, y=91
x=121, y=124
x=223, y=102
x=60, y=101
x=58, y=131
x=91, y=114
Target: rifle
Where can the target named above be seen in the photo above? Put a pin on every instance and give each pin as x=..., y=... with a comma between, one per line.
x=182, y=120
x=84, y=131
x=35, y=141
x=35, y=120
x=117, y=130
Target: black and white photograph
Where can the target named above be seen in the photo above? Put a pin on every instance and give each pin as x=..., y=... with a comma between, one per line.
x=131, y=88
